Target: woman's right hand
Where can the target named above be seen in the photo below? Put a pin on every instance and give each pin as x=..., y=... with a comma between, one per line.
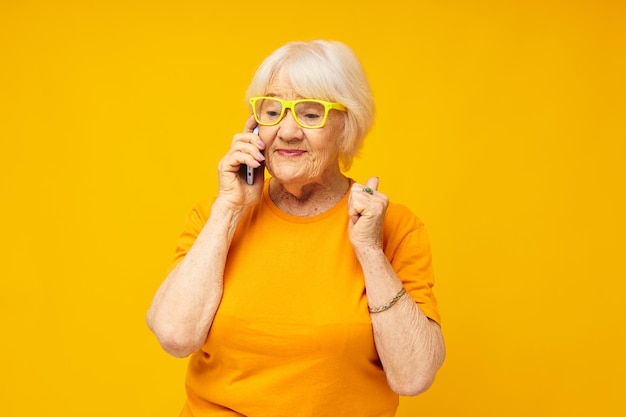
x=245, y=149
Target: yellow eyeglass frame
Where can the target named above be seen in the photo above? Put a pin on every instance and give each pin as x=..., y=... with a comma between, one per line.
x=290, y=104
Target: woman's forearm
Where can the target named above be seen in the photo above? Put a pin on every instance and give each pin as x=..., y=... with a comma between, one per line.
x=183, y=308
x=409, y=344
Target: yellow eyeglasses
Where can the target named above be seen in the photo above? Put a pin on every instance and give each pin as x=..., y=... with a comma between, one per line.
x=308, y=113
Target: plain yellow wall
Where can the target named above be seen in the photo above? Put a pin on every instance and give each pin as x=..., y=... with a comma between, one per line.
x=501, y=124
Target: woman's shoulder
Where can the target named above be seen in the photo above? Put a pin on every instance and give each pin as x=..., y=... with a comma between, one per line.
x=203, y=206
x=401, y=216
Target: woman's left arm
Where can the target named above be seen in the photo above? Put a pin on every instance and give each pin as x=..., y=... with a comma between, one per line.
x=409, y=344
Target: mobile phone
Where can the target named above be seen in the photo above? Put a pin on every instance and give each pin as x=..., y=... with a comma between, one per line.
x=249, y=170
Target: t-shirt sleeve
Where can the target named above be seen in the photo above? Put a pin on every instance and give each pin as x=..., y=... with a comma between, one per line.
x=194, y=223
x=408, y=248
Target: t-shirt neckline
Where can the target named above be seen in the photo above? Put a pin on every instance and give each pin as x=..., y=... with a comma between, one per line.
x=341, y=204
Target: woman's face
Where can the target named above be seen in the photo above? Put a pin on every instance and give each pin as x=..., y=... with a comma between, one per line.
x=297, y=155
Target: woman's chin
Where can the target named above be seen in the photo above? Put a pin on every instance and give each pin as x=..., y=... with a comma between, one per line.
x=287, y=174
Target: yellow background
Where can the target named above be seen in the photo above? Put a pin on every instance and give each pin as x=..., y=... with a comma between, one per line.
x=501, y=124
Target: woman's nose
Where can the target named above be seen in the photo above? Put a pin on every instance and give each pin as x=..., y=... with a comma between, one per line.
x=288, y=129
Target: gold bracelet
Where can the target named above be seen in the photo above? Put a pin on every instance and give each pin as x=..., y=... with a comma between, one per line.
x=390, y=303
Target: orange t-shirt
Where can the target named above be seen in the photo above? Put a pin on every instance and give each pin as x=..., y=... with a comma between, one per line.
x=292, y=336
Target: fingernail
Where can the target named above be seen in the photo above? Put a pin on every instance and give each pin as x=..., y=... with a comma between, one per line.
x=260, y=156
x=261, y=143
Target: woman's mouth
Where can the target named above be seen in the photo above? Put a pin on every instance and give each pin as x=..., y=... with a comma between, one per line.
x=290, y=153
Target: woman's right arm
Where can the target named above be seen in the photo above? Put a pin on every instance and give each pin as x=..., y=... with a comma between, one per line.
x=183, y=307
x=185, y=304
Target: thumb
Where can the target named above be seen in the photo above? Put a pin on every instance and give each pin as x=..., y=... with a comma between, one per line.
x=372, y=183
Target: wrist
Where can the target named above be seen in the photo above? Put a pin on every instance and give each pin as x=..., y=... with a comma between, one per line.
x=223, y=206
x=226, y=216
x=368, y=253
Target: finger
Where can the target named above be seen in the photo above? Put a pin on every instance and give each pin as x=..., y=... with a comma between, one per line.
x=356, y=202
x=247, y=139
x=252, y=160
x=242, y=143
x=372, y=183
x=250, y=124
x=243, y=153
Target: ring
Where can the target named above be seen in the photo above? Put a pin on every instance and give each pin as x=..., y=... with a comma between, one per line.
x=368, y=190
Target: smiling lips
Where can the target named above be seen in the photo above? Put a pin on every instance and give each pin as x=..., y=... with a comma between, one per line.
x=290, y=153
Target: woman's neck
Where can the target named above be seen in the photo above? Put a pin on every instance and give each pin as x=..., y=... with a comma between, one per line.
x=310, y=199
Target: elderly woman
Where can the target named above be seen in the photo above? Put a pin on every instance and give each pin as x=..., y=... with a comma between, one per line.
x=305, y=293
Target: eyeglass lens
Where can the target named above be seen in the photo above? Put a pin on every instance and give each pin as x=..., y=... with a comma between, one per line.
x=308, y=113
